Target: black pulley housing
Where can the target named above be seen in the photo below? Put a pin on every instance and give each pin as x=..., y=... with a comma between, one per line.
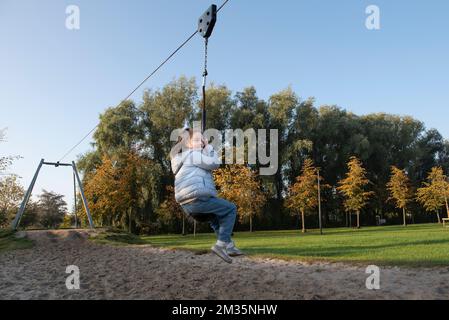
x=206, y=22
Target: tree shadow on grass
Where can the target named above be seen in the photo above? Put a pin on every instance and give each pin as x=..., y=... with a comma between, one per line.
x=354, y=253
x=370, y=230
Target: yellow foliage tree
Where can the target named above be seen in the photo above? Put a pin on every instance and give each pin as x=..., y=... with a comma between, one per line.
x=353, y=188
x=433, y=195
x=113, y=190
x=239, y=184
x=400, y=190
x=303, y=194
x=11, y=194
x=102, y=191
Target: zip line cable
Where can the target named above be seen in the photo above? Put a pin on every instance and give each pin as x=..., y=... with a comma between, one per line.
x=132, y=92
x=224, y=3
x=140, y=85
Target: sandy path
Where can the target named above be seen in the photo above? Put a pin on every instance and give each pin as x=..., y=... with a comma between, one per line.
x=109, y=272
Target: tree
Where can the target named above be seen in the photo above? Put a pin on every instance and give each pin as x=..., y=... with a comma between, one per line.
x=11, y=194
x=5, y=161
x=51, y=209
x=122, y=161
x=30, y=217
x=68, y=222
x=239, y=184
x=329, y=135
x=101, y=190
x=429, y=148
x=433, y=194
x=353, y=188
x=117, y=188
x=170, y=209
x=281, y=108
x=118, y=133
x=303, y=194
x=164, y=111
x=119, y=129
x=400, y=190
x=251, y=112
x=219, y=107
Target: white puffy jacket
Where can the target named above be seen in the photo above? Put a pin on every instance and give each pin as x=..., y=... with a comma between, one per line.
x=193, y=174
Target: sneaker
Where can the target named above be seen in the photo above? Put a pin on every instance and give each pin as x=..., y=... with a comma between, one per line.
x=221, y=252
x=233, y=251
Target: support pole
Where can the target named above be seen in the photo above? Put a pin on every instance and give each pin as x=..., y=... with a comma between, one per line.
x=86, y=206
x=19, y=214
x=74, y=198
x=319, y=202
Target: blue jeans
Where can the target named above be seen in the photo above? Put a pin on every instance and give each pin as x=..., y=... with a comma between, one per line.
x=225, y=213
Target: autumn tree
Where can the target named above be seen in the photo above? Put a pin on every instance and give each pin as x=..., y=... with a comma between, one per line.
x=101, y=189
x=327, y=134
x=11, y=194
x=115, y=188
x=353, y=188
x=303, y=194
x=400, y=190
x=434, y=192
x=170, y=210
x=239, y=184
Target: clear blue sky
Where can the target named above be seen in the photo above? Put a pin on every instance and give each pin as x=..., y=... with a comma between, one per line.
x=54, y=82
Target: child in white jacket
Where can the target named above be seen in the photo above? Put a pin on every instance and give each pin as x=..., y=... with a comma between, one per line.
x=196, y=193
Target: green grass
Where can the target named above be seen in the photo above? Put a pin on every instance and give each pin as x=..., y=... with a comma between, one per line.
x=8, y=241
x=117, y=237
x=415, y=245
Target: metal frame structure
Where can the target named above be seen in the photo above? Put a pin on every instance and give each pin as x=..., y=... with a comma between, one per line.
x=76, y=178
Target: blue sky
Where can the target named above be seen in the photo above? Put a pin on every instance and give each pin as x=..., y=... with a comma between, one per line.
x=55, y=82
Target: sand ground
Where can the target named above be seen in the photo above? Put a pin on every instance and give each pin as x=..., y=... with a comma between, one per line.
x=144, y=272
